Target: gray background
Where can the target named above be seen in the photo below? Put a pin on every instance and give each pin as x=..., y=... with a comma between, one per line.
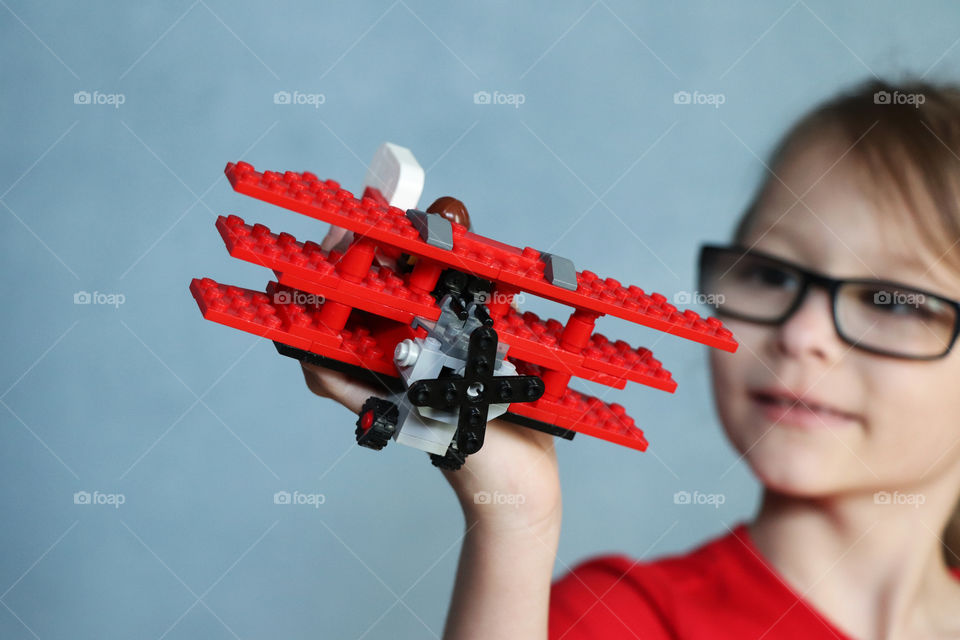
x=197, y=425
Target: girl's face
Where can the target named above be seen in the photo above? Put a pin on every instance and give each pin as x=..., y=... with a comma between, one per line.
x=894, y=423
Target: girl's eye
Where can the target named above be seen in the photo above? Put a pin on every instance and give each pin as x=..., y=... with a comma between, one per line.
x=900, y=303
x=768, y=276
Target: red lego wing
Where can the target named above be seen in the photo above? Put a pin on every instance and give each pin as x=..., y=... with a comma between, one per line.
x=610, y=363
x=582, y=413
x=305, y=266
x=523, y=270
x=268, y=315
x=368, y=342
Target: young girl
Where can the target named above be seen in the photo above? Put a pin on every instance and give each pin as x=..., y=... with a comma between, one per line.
x=841, y=286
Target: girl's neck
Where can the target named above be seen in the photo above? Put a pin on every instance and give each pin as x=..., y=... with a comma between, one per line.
x=871, y=563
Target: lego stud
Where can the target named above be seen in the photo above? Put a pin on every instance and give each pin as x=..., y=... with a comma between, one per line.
x=534, y=388
x=406, y=353
x=421, y=396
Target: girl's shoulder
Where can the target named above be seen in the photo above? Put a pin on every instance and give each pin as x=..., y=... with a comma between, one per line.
x=722, y=589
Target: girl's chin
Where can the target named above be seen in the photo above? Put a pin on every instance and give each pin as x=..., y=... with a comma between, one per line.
x=792, y=484
x=801, y=471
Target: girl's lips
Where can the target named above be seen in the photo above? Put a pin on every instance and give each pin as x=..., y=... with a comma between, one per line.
x=781, y=406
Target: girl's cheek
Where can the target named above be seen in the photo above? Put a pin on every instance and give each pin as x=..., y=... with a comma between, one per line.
x=913, y=411
x=728, y=377
x=733, y=372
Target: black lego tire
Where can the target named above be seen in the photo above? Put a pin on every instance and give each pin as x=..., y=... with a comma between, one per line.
x=376, y=423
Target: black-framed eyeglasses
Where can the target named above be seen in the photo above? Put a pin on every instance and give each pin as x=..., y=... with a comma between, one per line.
x=879, y=316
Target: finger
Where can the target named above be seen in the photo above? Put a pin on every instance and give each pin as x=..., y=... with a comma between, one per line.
x=336, y=385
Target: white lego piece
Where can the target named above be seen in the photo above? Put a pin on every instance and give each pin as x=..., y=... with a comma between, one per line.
x=417, y=431
x=397, y=175
x=419, y=359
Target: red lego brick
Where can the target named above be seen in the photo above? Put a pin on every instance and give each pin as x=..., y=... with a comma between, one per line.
x=300, y=318
x=631, y=303
x=305, y=266
x=305, y=193
x=347, y=298
x=582, y=413
x=611, y=363
x=250, y=311
x=367, y=341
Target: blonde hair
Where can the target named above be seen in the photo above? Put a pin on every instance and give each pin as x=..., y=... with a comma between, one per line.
x=907, y=137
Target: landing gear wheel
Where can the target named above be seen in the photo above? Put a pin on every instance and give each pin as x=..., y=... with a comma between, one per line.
x=452, y=461
x=376, y=424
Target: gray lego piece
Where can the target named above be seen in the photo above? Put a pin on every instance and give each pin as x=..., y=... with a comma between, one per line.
x=560, y=271
x=434, y=230
x=454, y=333
x=446, y=345
x=420, y=432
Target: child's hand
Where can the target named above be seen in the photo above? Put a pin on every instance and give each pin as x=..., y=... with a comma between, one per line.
x=511, y=485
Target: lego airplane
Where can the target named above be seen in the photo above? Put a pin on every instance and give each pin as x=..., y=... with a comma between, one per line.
x=414, y=301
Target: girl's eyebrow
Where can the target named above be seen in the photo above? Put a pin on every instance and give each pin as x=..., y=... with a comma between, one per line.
x=895, y=264
x=911, y=266
x=906, y=269
x=889, y=264
x=915, y=273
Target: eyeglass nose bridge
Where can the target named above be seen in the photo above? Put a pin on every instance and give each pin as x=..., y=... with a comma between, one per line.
x=810, y=279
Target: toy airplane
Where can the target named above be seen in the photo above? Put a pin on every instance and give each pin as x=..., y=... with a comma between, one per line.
x=422, y=306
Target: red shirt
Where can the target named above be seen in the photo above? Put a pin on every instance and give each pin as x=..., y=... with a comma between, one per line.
x=723, y=589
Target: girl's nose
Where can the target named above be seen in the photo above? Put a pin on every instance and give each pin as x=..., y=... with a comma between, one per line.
x=810, y=331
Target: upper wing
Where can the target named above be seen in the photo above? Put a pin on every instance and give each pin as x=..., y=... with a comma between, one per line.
x=524, y=270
